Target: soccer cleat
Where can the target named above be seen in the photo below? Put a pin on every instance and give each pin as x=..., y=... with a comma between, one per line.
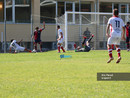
x=110, y=60
x=34, y=51
x=92, y=35
x=118, y=60
x=128, y=50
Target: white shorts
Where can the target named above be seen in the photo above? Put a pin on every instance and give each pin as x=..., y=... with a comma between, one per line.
x=60, y=41
x=20, y=49
x=114, y=41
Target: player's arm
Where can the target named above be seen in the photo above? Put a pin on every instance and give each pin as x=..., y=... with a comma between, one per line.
x=43, y=26
x=20, y=41
x=123, y=34
x=33, y=35
x=61, y=36
x=107, y=30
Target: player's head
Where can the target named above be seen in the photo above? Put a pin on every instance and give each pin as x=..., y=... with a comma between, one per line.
x=128, y=23
x=37, y=28
x=58, y=27
x=11, y=40
x=115, y=12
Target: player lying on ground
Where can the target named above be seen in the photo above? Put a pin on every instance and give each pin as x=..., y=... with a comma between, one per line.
x=16, y=47
x=86, y=36
x=37, y=37
x=87, y=47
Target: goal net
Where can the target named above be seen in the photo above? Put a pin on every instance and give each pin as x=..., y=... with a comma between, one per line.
x=74, y=24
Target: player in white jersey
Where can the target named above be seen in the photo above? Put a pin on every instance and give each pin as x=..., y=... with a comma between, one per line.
x=60, y=39
x=115, y=24
x=16, y=46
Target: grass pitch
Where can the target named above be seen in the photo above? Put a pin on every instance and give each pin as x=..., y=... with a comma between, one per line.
x=40, y=75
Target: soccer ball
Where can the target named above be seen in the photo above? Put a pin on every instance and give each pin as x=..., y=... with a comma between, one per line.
x=34, y=51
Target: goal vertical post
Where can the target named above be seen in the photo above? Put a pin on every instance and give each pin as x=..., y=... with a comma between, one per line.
x=66, y=29
x=104, y=33
x=4, y=26
x=80, y=29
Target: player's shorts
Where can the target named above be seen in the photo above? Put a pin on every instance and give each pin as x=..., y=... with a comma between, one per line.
x=87, y=48
x=60, y=41
x=114, y=41
x=38, y=41
x=127, y=39
x=19, y=49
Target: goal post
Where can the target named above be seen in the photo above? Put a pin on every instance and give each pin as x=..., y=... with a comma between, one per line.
x=66, y=31
x=74, y=24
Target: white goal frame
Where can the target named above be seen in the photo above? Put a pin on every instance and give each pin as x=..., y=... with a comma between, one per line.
x=81, y=13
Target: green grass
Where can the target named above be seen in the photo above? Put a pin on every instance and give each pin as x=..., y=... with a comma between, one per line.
x=40, y=75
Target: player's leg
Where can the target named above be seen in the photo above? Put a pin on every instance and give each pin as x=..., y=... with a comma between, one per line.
x=88, y=41
x=35, y=45
x=23, y=49
x=117, y=44
x=129, y=42
x=118, y=52
x=27, y=50
x=90, y=38
x=62, y=48
x=110, y=53
x=40, y=46
x=79, y=49
x=109, y=46
x=112, y=46
x=58, y=45
x=83, y=43
x=62, y=45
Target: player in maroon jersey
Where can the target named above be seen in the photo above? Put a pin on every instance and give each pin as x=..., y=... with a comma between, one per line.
x=37, y=37
x=127, y=26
